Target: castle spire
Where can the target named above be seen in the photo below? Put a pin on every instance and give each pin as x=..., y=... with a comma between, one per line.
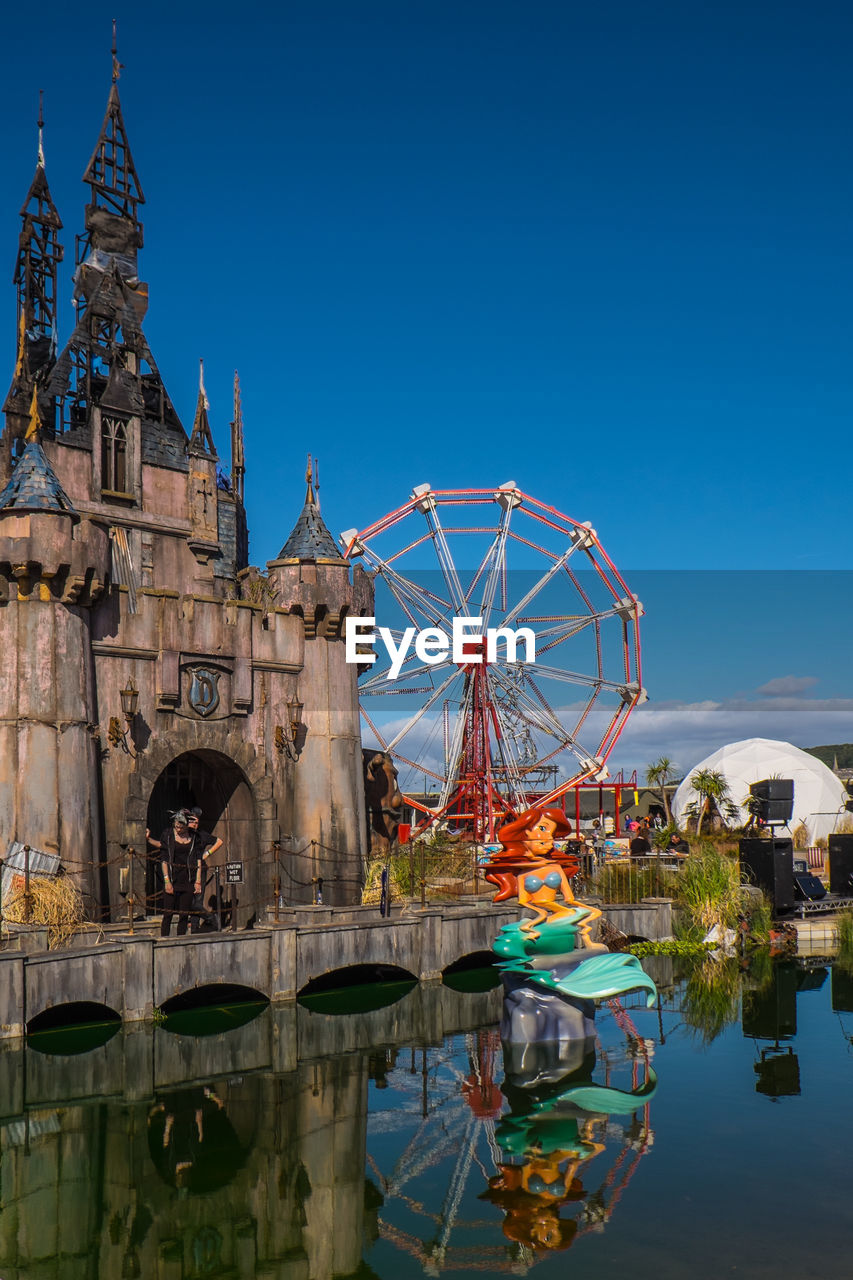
x=39, y=255
x=113, y=229
x=107, y=359
x=238, y=457
x=36, y=270
x=201, y=440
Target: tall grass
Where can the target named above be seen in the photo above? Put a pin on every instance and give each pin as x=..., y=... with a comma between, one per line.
x=626, y=883
x=447, y=862
x=709, y=891
x=845, y=936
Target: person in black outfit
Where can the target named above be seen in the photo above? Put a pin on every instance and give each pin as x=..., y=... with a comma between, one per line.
x=181, y=872
x=640, y=847
x=207, y=844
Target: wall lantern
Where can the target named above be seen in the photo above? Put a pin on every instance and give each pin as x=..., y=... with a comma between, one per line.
x=294, y=711
x=129, y=703
x=285, y=742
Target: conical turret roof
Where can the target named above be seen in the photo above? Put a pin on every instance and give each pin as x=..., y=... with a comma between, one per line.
x=310, y=539
x=35, y=486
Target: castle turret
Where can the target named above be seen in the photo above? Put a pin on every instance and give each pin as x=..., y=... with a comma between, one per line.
x=202, y=496
x=53, y=567
x=309, y=578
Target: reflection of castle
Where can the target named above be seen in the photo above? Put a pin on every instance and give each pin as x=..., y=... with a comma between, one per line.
x=124, y=562
x=259, y=1176
x=156, y=1154
x=168, y=1156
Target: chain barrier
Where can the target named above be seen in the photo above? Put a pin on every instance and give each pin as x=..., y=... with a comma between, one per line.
x=275, y=865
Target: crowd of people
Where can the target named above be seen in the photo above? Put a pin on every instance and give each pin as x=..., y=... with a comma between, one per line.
x=639, y=832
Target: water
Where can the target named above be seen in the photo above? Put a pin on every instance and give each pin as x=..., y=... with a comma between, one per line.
x=395, y=1141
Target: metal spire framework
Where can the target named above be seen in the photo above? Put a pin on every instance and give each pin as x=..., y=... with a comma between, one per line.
x=111, y=173
x=39, y=255
x=238, y=455
x=107, y=351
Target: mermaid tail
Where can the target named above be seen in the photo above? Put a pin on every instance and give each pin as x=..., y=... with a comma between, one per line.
x=600, y=978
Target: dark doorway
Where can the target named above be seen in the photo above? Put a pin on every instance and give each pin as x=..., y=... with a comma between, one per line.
x=217, y=786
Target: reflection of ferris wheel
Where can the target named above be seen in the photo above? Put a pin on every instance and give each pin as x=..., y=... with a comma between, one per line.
x=489, y=729
x=446, y=1115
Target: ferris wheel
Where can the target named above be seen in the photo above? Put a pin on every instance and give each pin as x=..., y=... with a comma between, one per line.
x=539, y=666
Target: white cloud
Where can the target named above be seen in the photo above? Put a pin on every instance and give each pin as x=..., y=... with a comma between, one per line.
x=686, y=732
x=786, y=686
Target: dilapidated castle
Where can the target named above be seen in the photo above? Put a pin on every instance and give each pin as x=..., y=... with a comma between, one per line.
x=143, y=663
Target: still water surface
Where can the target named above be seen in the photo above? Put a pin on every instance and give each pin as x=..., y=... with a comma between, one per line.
x=710, y=1137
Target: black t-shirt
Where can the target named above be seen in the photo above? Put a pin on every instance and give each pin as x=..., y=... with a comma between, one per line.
x=640, y=847
x=182, y=859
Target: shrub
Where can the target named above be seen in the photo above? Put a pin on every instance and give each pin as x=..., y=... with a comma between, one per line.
x=800, y=836
x=708, y=890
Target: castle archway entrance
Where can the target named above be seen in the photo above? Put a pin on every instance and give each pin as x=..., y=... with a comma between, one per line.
x=212, y=782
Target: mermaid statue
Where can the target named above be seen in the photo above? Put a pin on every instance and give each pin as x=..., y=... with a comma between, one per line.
x=552, y=970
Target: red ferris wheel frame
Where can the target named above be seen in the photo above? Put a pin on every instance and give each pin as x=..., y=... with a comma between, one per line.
x=487, y=786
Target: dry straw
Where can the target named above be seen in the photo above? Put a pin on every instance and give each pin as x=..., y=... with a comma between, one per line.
x=53, y=901
x=372, y=890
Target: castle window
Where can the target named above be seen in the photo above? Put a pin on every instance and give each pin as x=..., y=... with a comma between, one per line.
x=113, y=455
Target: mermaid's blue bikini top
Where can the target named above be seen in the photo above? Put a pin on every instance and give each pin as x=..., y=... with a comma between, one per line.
x=553, y=880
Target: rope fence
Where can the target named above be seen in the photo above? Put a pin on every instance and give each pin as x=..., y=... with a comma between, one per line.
x=280, y=876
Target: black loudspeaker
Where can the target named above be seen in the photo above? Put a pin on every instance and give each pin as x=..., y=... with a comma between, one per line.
x=841, y=865
x=773, y=789
x=770, y=865
x=808, y=887
x=776, y=799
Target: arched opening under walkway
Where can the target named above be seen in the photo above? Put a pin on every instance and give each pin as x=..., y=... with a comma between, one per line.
x=473, y=973
x=76, y=1027
x=358, y=988
x=212, y=1009
x=212, y=782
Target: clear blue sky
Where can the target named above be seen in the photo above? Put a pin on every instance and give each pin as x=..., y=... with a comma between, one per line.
x=604, y=250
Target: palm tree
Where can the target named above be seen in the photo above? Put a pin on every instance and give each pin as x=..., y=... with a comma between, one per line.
x=713, y=791
x=657, y=776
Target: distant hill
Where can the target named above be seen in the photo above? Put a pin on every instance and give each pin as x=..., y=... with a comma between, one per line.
x=840, y=751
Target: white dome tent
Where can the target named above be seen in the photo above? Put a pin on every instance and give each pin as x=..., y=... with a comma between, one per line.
x=819, y=796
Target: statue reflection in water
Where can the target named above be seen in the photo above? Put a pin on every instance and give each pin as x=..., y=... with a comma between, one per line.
x=546, y=1187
